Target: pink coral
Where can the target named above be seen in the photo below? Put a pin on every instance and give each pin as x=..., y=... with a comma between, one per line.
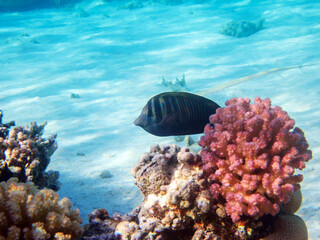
x=177, y=205
x=250, y=153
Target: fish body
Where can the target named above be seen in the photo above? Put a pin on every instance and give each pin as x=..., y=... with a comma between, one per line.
x=176, y=113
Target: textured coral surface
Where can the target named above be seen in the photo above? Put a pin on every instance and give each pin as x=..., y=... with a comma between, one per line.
x=250, y=153
x=288, y=227
x=176, y=204
x=242, y=185
x=25, y=154
x=29, y=213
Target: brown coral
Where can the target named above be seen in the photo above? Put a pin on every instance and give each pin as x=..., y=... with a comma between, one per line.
x=294, y=204
x=178, y=208
x=181, y=206
x=288, y=227
x=155, y=170
x=25, y=154
x=29, y=213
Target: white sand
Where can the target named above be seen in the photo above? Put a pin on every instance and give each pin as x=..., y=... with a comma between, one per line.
x=115, y=59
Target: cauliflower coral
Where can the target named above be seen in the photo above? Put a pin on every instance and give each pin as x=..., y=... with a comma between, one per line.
x=25, y=154
x=250, y=153
x=28, y=213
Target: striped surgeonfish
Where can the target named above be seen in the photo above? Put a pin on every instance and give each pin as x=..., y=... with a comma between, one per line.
x=176, y=113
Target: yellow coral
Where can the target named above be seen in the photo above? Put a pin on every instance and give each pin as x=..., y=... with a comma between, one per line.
x=29, y=213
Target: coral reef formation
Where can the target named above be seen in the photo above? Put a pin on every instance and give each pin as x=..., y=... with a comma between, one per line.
x=29, y=213
x=241, y=29
x=241, y=186
x=176, y=202
x=250, y=154
x=178, y=205
x=25, y=154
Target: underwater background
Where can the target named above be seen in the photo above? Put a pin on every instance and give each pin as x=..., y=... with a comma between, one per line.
x=88, y=68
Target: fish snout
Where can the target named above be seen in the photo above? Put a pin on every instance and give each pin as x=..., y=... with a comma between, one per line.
x=137, y=122
x=140, y=121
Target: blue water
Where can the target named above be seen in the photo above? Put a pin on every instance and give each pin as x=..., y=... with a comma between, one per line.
x=114, y=57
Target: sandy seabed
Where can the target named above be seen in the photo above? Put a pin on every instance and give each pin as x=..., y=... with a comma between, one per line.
x=114, y=60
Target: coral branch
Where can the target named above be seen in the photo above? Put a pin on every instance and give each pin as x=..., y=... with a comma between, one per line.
x=250, y=153
x=29, y=213
x=25, y=154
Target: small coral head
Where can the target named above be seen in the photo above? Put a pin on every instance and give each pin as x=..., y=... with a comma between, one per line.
x=249, y=154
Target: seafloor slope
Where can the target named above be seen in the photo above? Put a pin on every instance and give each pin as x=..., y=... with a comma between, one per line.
x=113, y=58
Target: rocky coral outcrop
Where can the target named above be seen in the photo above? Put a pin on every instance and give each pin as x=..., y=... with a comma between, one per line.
x=25, y=154
x=242, y=186
x=28, y=213
x=181, y=208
